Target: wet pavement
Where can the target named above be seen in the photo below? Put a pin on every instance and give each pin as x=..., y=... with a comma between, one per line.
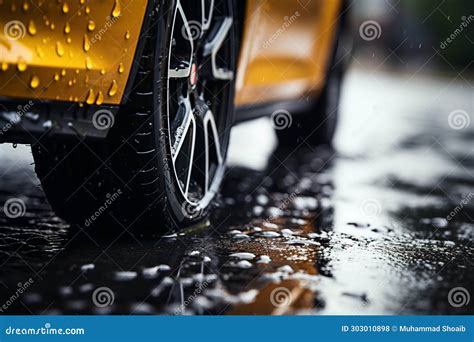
x=383, y=224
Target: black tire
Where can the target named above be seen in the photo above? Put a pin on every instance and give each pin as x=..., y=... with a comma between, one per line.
x=317, y=126
x=137, y=174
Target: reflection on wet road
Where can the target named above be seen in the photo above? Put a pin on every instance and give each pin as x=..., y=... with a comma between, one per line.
x=382, y=226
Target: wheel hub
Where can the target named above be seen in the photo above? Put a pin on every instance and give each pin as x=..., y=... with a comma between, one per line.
x=194, y=76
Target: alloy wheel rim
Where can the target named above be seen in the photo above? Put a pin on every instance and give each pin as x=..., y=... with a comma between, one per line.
x=198, y=81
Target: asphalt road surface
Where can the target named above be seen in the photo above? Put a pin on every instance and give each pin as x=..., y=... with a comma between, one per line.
x=383, y=224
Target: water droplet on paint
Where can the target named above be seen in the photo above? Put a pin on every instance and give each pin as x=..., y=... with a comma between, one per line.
x=32, y=28
x=39, y=52
x=91, y=25
x=34, y=82
x=59, y=49
x=113, y=88
x=117, y=9
x=87, y=44
x=88, y=63
x=90, y=97
x=21, y=65
x=100, y=98
x=65, y=8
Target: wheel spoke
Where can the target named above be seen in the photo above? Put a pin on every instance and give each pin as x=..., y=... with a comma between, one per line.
x=179, y=66
x=206, y=14
x=212, y=47
x=183, y=130
x=191, y=160
x=209, y=121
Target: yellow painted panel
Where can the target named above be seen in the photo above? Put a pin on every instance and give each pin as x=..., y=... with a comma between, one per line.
x=286, y=49
x=79, y=50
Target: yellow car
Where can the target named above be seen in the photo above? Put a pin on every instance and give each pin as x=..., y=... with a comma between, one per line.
x=128, y=104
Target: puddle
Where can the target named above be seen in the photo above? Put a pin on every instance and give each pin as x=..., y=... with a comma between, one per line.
x=368, y=229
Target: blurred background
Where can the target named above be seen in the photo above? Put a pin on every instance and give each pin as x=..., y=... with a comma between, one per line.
x=422, y=35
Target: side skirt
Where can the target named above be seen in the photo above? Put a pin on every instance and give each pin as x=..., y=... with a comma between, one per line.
x=26, y=121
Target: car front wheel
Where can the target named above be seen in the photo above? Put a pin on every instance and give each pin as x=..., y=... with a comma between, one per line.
x=164, y=158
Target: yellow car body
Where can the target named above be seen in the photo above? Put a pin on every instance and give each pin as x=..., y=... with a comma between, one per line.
x=79, y=51
x=83, y=51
